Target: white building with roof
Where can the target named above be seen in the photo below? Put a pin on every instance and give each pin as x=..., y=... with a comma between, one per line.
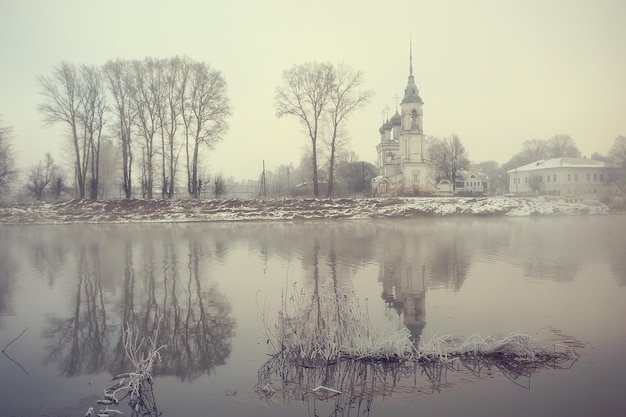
x=402, y=152
x=566, y=177
x=471, y=183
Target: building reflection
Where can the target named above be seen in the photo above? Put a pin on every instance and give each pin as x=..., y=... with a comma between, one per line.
x=413, y=259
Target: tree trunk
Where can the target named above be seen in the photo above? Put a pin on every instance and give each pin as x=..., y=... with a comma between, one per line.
x=314, y=162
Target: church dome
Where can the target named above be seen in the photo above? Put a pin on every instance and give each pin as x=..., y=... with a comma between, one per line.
x=396, y=119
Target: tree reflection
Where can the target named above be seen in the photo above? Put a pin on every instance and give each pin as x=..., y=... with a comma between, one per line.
x=49, y=259
x=80, y=341
x=8, y=268
x=159, y=290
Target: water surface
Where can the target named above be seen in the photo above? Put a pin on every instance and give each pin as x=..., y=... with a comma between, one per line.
x=74, y=288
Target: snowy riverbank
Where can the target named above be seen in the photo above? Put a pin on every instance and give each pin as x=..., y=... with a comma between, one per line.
x=131, y=211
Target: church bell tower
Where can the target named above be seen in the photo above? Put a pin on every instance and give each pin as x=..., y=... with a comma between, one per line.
x=412, y=118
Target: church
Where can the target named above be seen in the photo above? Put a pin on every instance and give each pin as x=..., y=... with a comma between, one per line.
x=404, y=169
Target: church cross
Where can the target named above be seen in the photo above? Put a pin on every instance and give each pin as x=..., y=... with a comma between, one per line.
x=396, y=98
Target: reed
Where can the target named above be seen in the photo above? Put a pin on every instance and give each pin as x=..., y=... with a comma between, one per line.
x=330, y=326
x=319, y=330
x=324, y=347
x=144, y=354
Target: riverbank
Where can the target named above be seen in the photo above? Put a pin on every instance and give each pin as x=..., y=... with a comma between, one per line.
x=173, y=211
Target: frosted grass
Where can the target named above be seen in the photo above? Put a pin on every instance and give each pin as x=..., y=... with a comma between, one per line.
x=144, y=355
x=325, y=342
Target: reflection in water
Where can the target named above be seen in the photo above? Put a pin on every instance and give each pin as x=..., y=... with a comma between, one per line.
x=81, y=340
x=355, y=384
x=196, y=325
x=8, y=268
x=93, y=282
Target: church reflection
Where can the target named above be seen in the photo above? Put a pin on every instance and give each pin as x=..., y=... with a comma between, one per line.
x=407, y=298
x=413, y=259
x=410, y=259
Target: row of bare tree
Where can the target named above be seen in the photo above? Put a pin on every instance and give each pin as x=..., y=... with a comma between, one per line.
x=159, y=107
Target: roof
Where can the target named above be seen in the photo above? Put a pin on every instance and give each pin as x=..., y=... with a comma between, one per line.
x=396, y=119
x=560, y=163
x=385, y=126
x=411, y=93
x=464, y=175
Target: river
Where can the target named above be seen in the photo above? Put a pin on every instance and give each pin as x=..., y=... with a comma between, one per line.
x=210, y=292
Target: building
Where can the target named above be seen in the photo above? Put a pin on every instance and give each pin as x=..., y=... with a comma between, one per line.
x=471, y=183
x=402, y=151
x=566, y=177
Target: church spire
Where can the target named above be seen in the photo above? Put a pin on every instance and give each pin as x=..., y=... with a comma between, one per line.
x=410, y=55
x=411, y=93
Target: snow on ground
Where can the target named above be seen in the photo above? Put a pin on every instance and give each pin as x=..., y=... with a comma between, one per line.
x=130, y=211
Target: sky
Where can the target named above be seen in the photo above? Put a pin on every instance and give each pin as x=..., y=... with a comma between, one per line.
x=494, y=72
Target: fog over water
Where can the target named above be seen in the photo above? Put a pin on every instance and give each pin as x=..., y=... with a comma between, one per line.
x=74, y=287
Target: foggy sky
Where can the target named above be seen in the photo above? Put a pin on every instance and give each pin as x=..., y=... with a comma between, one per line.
x=496, y=73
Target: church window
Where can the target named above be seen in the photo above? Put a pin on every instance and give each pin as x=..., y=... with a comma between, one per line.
x=595, y=178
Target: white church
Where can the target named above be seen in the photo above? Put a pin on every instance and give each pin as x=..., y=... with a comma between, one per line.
x=404, y=169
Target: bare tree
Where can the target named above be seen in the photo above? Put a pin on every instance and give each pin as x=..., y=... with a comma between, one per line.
x=40, y=176
x=121, y=87
x=439, y=154
x=306, y=93
x=346, y=97
x=458, y=156
x=76, y=97
x=91, y=114
x=495, y=173
x=534, y=149
x=147, y=101
x=558, y=146
x=204, y=113
x=617, y=158
x=281, y=181
x=219, y=186
x=61, y=103
x=109, y=167
x=57, y=185
x=449, y=156
x=175, y=79
x=617, y=153
x=354, y=176
x=561, y=146
x=8, y=171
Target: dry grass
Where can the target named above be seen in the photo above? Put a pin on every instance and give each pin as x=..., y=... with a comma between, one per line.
x=325, y=345
x=136, y=385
